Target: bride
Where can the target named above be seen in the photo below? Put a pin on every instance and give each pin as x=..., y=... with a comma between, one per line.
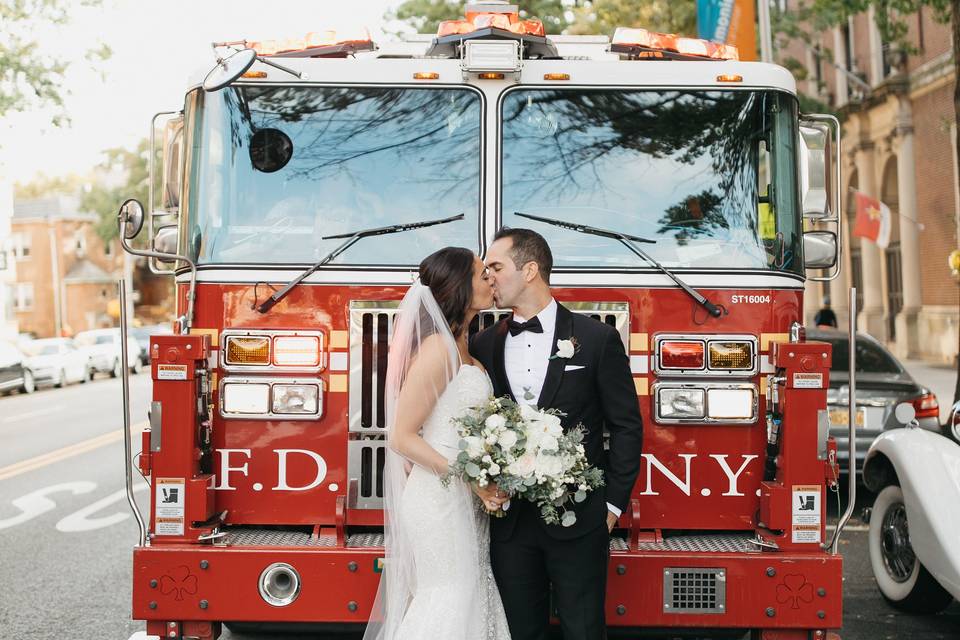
x=437, y=581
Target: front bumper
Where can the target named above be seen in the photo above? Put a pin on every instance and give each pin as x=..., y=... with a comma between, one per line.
x=761, y=589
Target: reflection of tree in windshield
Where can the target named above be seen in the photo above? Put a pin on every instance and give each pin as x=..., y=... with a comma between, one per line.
x=697, y=215
x=335, y=129
x=589, y=125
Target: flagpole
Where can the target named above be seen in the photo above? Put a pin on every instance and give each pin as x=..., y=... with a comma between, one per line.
x=766, y=39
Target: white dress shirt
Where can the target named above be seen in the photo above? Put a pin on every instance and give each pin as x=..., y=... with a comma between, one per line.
x=526, y=357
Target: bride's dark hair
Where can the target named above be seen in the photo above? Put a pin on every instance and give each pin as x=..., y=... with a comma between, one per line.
x=449, y=274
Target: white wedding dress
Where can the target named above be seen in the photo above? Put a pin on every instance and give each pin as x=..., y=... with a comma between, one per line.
x=454, y=592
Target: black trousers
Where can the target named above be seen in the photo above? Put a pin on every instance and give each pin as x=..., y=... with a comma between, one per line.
x=526, y=566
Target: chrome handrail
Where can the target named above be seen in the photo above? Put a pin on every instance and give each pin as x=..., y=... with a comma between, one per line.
x=127, y=436
x=851, y=429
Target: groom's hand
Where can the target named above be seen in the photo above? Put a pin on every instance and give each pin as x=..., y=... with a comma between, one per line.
x=611, y=521
x=491, y=495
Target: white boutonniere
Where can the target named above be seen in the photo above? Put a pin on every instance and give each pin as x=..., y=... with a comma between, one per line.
x=566, y=349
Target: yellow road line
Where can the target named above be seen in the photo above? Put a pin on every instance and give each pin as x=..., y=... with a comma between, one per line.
x=67, y=452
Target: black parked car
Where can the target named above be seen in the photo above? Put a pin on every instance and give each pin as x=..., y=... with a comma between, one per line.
x=882, y=384
x=13, y=373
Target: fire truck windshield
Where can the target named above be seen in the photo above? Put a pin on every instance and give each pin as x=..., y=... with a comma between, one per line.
x=710, y=175
x=273, y=169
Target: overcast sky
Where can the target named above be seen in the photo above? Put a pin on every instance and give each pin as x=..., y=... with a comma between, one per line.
x=156, y=46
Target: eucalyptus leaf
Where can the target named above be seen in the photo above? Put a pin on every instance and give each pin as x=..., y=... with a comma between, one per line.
x=472, y=469
x=580, y=496
x=569, y=519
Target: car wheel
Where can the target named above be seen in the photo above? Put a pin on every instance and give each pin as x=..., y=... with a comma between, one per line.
x=29, y=384
x=62, y=380
x=137, y=367
x=87, y=375
x=117, y=369
x=903, y=581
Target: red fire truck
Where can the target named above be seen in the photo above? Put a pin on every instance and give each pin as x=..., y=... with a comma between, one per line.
x=686, y=201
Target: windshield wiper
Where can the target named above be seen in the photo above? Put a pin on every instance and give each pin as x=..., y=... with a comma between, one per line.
x=629, y=242
x=351, y=238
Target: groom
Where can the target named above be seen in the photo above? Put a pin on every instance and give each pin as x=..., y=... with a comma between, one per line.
x=593, y=387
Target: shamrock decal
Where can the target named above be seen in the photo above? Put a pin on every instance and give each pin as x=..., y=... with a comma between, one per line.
x=794, y=589
x=179, y=581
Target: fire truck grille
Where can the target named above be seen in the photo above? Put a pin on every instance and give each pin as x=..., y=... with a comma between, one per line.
x=694, y=590
x=365, y=460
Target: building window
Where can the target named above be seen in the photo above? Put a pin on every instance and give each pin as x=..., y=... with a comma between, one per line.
x=79, y=243
x=108, y=248
x=894, y=287
x=23, y=296
x=21, y=246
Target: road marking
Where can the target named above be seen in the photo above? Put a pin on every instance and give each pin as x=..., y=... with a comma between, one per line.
x=67, y=452
x=32, y=414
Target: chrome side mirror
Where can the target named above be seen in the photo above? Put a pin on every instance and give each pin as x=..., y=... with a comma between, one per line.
x=814, y=170
x=820, y=249
x=130, y=217
x=165, y=242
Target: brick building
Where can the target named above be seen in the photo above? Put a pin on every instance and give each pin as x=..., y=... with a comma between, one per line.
x=899, y=145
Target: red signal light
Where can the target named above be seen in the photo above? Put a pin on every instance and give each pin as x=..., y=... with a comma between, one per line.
x=677, y=354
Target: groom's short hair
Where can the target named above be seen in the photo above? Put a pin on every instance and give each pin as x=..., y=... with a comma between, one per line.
x=528, y=246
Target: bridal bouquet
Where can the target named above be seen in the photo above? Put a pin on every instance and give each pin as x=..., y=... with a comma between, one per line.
x=526, y=452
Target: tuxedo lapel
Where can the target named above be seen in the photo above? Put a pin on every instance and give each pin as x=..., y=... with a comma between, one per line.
x=551, y=383
x=499, y=369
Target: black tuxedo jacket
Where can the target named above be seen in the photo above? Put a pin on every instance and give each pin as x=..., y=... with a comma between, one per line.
x=601, y=394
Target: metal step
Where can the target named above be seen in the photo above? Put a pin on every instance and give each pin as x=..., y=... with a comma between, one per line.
x=738, y=542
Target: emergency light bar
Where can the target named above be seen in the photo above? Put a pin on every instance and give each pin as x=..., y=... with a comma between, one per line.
x=315, y=44
x=641, y=43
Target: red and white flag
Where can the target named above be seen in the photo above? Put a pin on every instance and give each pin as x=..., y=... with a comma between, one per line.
x=873, y=220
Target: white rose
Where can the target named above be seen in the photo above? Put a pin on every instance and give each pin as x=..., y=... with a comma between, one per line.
x=494, y=469
x=507, y=439
x=547, y=465
x=491, y=439
x=565, y=348
x=548, y=443
x=474, y=446
x=495, y=421
x=525, y=465
x=486, y=459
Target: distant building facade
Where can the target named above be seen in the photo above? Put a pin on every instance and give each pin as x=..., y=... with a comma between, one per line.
x=899, y=132
x=66, y=275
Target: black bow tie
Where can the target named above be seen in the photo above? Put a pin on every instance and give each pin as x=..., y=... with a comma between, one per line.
x=532, y=325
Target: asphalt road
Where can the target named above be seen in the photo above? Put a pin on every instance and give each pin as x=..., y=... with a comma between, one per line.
x=66, y=531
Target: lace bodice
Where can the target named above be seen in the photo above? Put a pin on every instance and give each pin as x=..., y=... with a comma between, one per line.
x=469, y=388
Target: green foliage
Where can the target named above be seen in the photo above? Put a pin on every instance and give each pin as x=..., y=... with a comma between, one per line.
x=808, y=19
x=425, y=15
x=105, y=201
x=604, y=16
x=30, y=79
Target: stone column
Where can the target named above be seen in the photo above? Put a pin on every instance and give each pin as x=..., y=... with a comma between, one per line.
x=908, y=337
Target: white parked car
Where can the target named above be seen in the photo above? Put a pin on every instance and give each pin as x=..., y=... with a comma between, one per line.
x=102, y=346
x=57, y=361
x=915, y=523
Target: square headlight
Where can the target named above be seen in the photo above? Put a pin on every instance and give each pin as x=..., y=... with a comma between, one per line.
x=246, y=398
x=679, y=404
x=731, y=404
x=299, y=399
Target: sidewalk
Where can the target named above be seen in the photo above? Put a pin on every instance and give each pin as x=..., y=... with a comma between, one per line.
x=941, y=379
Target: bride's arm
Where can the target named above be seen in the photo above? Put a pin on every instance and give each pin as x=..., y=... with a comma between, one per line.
x=424, y=382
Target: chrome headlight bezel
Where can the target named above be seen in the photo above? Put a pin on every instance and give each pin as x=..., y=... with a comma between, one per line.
x=272, y=335
x=706, y=388
x=706, y=370
x=268, y=412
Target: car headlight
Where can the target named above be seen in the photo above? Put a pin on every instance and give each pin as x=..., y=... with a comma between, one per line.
x=681, y=403
x=296, y=398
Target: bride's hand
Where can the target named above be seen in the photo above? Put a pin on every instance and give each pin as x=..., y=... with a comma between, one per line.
x=491, y=495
